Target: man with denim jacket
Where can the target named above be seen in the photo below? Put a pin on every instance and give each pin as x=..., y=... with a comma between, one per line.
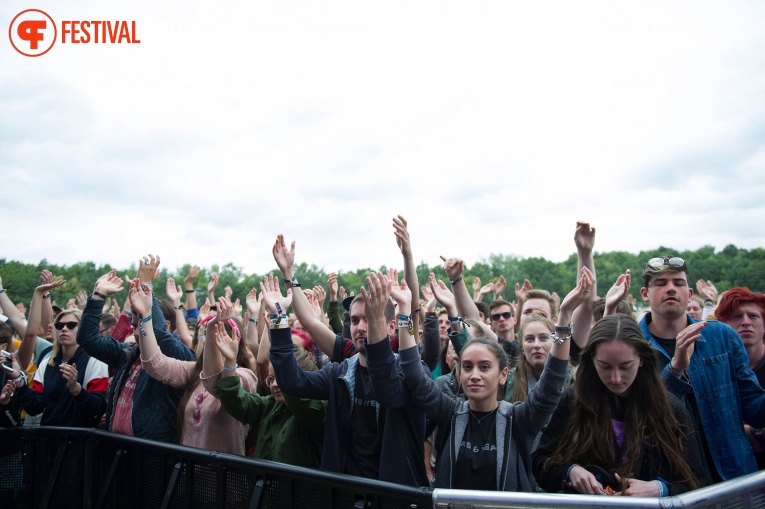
x=704, y=364
x=137, y=404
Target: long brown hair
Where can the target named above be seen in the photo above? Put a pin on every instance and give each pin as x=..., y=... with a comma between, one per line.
x=588, y=436
x=523, y=370
x=194, y=380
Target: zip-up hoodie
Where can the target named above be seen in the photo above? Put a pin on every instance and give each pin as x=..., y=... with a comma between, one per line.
x=517, y=423
x=401, y=423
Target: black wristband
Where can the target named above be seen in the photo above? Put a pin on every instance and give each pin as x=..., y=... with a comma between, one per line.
x=99, y=294
x=455, y=281
x=190, y=291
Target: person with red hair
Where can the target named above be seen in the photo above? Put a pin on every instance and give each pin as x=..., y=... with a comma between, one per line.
x=744, y=310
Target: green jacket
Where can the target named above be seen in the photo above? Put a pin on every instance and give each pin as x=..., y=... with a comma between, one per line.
x=289, y=433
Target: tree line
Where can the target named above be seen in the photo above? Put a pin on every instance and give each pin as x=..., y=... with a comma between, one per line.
x=727, y=268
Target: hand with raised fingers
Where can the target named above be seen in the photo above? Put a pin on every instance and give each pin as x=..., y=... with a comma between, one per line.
x=499, y=287
x=284, y=256
x=476, y=285
x=403, y=296
x=115, y=309
x=71, y=304
x=402, y=235
x=707, y=290
x=22, y=308
x=174, y=293
x=341, y=294
x=213, y=284
x=109, y=284
x=252, y=302
x=578, y=295
x=520, y=291
x=82, y=299
x=148, y=268
x=272, y=294
x=332, y=285
x=320, y=294
x=428, y=298
x=140, y=298
x=46, y=277
x=584, y=237
x=453, y=267
x=442, y=294
x=237, y=308
x=205, y=309
x=228, y=291
x=685, y=345
x=228, y=346
x=376, y=297
x=192, y=275
x=618, y=292
x=225, y=309
x=47, y=282
x=69, y=373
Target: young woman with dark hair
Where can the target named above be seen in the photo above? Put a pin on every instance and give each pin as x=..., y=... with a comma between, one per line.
x=617, y=417
x=485, y=444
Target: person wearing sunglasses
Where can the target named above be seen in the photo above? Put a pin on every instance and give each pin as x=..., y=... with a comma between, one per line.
x=69, y=386
x=705, y=365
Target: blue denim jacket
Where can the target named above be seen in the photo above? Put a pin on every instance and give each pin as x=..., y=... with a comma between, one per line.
x=726, y=390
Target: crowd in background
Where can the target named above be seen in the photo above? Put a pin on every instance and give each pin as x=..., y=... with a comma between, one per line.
x=420, y=383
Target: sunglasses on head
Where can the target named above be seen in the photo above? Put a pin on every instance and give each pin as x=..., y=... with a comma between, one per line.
x=674, y=261
x=68, y=325
x=506, y=315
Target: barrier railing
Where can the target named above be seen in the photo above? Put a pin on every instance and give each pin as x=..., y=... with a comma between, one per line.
x=43, y=467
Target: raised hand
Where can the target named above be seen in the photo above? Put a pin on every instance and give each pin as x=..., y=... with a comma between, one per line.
x=499, y=287
x=192, y=275
x=453, y=267
x=427, y=293
x=685, y=344
x=332, y=285
x=402, y=295
x=109, y=283
x=375, y=300
x=140, y=298
x=284, y=257
x=213, y=284
x=173, y=293
x=320, y=294
x=442, y=294
x=47, y=282
x=228, y=346
x=71, y=304
x=707, y=290
x=520, y=291
x=402, y=235
x=205, y=309
x=476, y=286
x=584, y=237
x=228, y=291
x=618, y=292
x=252, y=302
x=576, y=296
x=82, y=299
x=148, y=268
x=237, y=308
x=225, y=308
x=342, y=294
x=272, y=294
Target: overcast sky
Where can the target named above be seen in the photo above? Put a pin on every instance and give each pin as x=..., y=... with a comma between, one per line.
x=491, y=126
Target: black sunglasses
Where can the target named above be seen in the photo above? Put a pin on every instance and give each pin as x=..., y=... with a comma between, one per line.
x=506, y=315
x=68, y=325
x=674, y=261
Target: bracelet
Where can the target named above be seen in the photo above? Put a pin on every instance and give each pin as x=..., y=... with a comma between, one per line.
x=710, y=302
x=2, y=290
x=277, y=320
x=98, y=294
x=22, y=376
x=46, y=295
x=455, y=281
x=663, y=490
x=253, y=320
x=144, y=320
x=179, y=308
x=190, y=291
x=453, y=319
x=230, y=369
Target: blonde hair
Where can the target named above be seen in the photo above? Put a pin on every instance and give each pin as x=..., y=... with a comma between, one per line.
x=56, y=345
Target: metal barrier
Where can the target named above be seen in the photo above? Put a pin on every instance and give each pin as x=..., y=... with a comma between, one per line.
x=46, y=467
